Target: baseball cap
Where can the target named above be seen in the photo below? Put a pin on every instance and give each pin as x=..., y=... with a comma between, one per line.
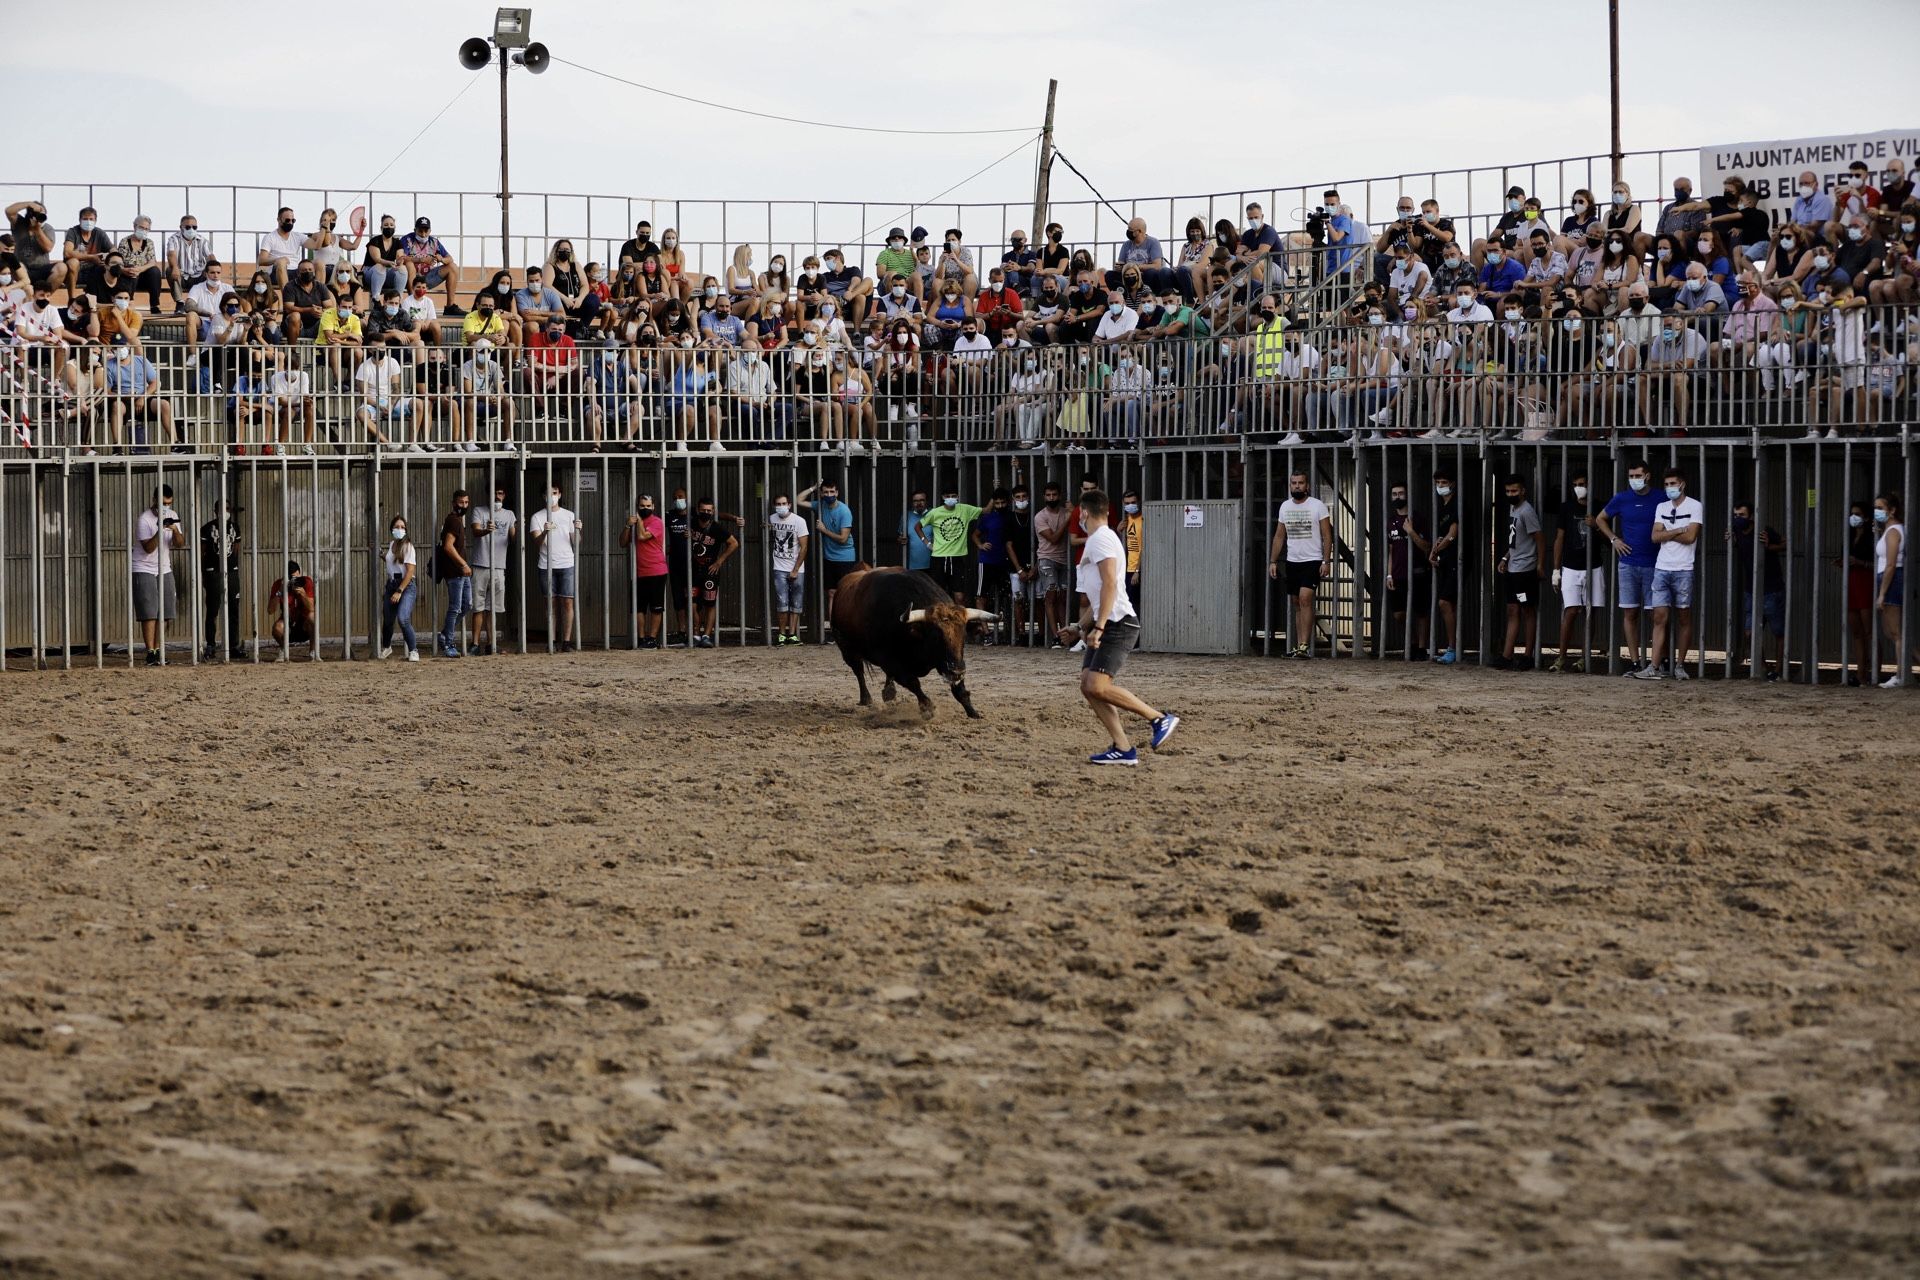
x=919, y=234
x=423, y=223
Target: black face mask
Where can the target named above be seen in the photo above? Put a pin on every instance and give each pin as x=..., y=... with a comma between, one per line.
x=1514, y=499
x=286, y=224
x=1399, y=504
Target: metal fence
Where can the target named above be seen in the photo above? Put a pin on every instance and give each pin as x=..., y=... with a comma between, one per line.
x=708, y=231
x=1032, y=377
x=68, y=526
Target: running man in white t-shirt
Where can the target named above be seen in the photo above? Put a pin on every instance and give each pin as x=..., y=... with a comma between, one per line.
x=1110, y=630
x=1304, y=534
x=1676, y=532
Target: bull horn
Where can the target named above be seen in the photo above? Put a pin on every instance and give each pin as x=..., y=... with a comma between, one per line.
x=980, y=615
x=916, y=615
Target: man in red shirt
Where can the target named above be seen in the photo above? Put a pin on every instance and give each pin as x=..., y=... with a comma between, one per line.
x=553, y=365
x=999, y=308
x=299, y=613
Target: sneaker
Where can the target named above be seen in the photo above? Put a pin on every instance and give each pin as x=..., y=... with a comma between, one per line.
x=1446, y=657
x=1055, y=645
x=1301, y=652
x=469, y=447
x=1772, y=676
x=1421, y=655
x=566, y=646
x=1678, y=673
x=1633, y=671
x=1498, y=663
x=308, y=450
x=1163, y=729
x=1380, y=417
x=1114, y=755
x=153, y=660
x=1079, y=646
x=1813, y=433
x=445, y=652
x=1291, y=438
x=386, y=651
x=1648, y=672
x=413, y=655
x=1891, y=682
x=415, y=448
x=1557, y=666
x=1576, y=666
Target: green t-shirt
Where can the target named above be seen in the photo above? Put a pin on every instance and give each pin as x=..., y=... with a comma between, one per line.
x=893, y=262
x=949, y=525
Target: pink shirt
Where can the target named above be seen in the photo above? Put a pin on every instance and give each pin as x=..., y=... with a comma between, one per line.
x=650, y=555
x=1051, y=521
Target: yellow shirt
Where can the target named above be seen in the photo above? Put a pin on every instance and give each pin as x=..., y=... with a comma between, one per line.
x=331, y=323
x=1133, y=530
x=479, y=326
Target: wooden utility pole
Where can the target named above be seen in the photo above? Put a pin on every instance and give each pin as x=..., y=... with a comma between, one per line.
x=1613, y=79
x=1040, y=181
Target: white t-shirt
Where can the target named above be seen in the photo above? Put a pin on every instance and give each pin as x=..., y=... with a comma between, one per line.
x=1302, y=521
x=490, y=550
x=1880, y=549
x=407, y=557
x=786, y=532
x=976, y=348
x=160, y=559
x=287, y=248
x=1104, y=544
x=1678, y=514
x=291, y=385
x=379, y=377
x=421, y=309
x=1475, y=314
x=556, y=552
x=1117, y=326
x=205, y=297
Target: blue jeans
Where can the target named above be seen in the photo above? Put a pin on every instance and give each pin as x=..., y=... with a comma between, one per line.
x=401, y=613
x=459, y=604
x=379, y=277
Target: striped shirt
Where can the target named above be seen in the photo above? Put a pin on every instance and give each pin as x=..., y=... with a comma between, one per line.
x=191, y=255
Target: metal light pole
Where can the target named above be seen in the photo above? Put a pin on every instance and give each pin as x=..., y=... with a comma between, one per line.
x=1613, y=79
x=510, y=38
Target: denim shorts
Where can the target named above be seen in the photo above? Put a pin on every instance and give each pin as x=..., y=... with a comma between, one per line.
x=1636, y=585
x=789, y=591
x=562, y=582
x=1773, y=611
x=1672, y=589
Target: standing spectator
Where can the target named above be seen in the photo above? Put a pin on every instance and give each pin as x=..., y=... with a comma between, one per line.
x=713, y=544
x=1132, y=529
x=492, y=543
x=1773, y=585
x=1890, y=580
x=1861, y=582
x=402, y=589
x=949, y=523
x=1409, y=580
x=1581, y=582
x=1443, y=560
x=556, y=531
x=990, y=535
x=283, y=248
x=157, y=534
x=833, y=521
x=1676, y=529
x=1303, y=541
x=647, y=535
x=787, y=544
x=85, y=252
x=916, y=542
x=1519, y=570
x=220, y=580
x=290, y=603
x=426, y=260
x=1633, y=509
x=1052, y=528
x=455, y=572
x=1022, y=576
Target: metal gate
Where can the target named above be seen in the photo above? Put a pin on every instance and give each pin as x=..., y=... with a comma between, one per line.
x=1193, y=599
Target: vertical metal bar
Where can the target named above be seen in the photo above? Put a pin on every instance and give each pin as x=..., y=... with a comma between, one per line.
x=36, y=571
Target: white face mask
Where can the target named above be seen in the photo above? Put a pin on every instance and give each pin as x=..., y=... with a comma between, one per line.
x=1444, y=490
x=399, y=533
x=899, y=291
x=1807, y=188
x=1637, y=483
x=780, y=508
x=86, y=224
x=826, y=310
x=553, y=501
x=504, y=288
x=1254, y=224
x=1854, y=522
x=1580, y=491
x=1465, y=300
x=1512, y=316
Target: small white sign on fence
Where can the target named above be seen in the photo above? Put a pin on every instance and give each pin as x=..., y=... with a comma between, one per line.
x=1193, y=517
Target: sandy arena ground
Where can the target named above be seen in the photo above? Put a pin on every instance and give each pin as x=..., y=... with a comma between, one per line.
x=677, y=965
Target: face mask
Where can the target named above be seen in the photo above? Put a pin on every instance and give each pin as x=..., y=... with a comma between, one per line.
x=1607, y=339
x=1494, y=256
x=1465, y=300
x=899, y=292
x=1126, y=362
x=1226, y=348
x=1444, y=490
x=1453, y=263
x=780, y=509
x=259, y=288
x=1879, y=515
x=833, y=264
x=1663, y=254
x=1807, y=188
x=1826, y=295
x=1669, y=335
x=1855, y=521
x=1570, y=323
x=1673, y=491
x=120, y=304
x=1580, y=491
x=399, y=534
x=1019, y=504
x=1696, y=286
x=949, y=502
x=1532, y=215
x=1430, y=217
x=553, y=501
x=392, y=309
x=1637, y=483
x=1619, y=197
x=1741, y=524
x=1855, y=233
x=808, y=338
x=1579, y=206
x=1514, y=500
x=420, y=292
x=1512, y=316
x=1375, y=318
x=286, y=224
x=345, y=312
x=189, y=233
x=503, y=288
x=1131, y=508
x=1399, y=504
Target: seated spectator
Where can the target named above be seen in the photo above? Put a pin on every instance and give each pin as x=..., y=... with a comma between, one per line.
x=1710, y=251
x=774, y=284
x=33, y=243
x=381, y=264
x=133, y=392
x=389, y=323
x=1432, y=235
x=742, y=285
x=1899, y=286
x=1118, y=322
x=1393, y=237
x=1819, y=270
x=1127, y=396
x=1030, y=403
x=634, y=250
x=85, y=252
x=537, y=302
x=1789, y=250
x=487, y=322
x=1055, y=260
x=1640, y=320
x=998, y=307
x=383, y=402
x=283, y=249
x=1617, y=275
x=1860, y=253
x=1143, y=251
x=1622, y=220
x=894, y=260
x=1044, y=320
x=846, y=286
x=1812, y=209
x=1683, y=215
x=1699, y=297
x=1583, y=217
x=1897, y=188
x=483, y=391
x=923, y=269
x=417, y=303
x=850, y=392
x=289, y=396
x=339, y=331
x=1840, y=330
x=1854, y=199
x=425, y=258
x=1258, y=243
x=950, y=311
x=1669, y=270
x=553, y=367
x=329, y=249
x=1018, y=262
x=304, y=302
x=1546, y=270
x=188, y=255
x=140, y=259
x=1583, y=261
x=1500, y=275
x=120, y=318
x=1674, y=361
x=1196, y=260
x=1453, y=274
x=719, y=326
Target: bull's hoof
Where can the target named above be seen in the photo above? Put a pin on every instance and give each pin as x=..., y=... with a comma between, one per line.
x=926, y=711
x=974, y=715
x=888, y=694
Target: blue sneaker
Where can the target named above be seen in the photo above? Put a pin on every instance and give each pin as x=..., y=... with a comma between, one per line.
x=1163, y=729
x=1114, y=755
x=1446, y=657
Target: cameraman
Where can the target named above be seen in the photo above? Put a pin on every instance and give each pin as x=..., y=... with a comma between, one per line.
x=33, y=243
x=157, y=534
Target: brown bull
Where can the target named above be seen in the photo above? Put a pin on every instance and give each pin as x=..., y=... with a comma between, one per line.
x=903, y=623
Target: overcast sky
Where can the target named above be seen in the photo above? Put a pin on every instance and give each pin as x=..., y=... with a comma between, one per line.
x=1155, y=98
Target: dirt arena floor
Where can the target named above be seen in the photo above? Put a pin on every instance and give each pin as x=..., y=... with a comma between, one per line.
x=676, y=965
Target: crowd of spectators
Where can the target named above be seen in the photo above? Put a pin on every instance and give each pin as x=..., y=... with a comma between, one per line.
x=1710, y=317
